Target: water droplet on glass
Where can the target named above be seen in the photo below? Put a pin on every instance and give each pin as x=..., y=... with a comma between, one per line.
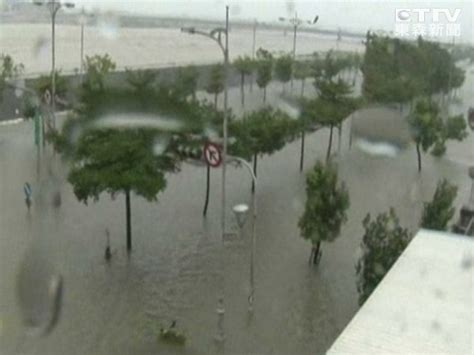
x=160, y=146
x=467, y=261
x=377, y=148
x=292, y=111
x=138, y=120
x=39, y=293
x=108, y=26
x=41, y=49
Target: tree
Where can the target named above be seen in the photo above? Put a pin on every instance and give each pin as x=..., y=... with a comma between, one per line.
x=261, y=132
x=244, y=66
x=302, y=70
x=97, y=68
x=430, y=132
x=126, y=140
x=140, y=80
x=186, y=81
x=333, y=104
x=216, y=82
x=264, y=67
x=284, y=69
x=383, y=242
x=325, y=210
x=43, y=83
x=439, y=211
x=8, y=70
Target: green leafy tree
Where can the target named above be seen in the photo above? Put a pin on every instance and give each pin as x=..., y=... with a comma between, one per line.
x=43, y=83
x=302, y=70
x=397, y=71
x=244, y=66
x=438, y=212
x=264, y=65
x=97, y=67
x=140, y=80
x=284, y=69
x=327, y=202
x=334, y=102
x=383, y=242
x=261, y=132
x=8, y=70
x=430, y=132
x=216, y=82
x=126, y=140
x=186, y=82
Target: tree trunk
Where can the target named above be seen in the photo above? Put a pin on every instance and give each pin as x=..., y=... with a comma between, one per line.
x=328, y=154
x=302, y=86
x=419, y=157
x=215, y=101
x=242, y=83
x=264, y=94
x=339, y=137
x=317, y=253
x=254, y=171
x=302, y=151
x=208, y=180
x=128, y=218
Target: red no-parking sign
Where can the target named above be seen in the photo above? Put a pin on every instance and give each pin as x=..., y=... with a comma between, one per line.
x=212, y=154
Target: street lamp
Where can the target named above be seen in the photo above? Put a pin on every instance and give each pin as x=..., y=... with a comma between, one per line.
x=53, y=7
x=82, y=22
x=216, y=35
x=240, y=212
x=296, y=22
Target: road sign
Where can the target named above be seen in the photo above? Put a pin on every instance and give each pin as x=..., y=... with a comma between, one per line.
x=212, y=154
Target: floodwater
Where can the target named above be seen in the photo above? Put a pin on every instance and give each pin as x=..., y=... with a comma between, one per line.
x=179, y=265
x=30, y=44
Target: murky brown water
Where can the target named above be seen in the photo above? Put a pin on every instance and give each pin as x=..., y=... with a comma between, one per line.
x=175, y=268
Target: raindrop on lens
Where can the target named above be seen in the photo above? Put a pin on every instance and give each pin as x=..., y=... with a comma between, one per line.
x=39, y=290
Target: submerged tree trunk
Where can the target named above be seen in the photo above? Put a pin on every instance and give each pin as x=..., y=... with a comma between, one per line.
x=328, y=154
x=302, y=86
x=339, y=137
x=315, y=255
x=128, y=219
x=215, y=101
x=302, y=151
x=242, y=94
x=254, y=171
x=419, y=156
x=208, y=181
x=264, y=94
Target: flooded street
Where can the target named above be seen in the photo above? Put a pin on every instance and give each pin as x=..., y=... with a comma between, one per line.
x=157, y=47
x=175, y=270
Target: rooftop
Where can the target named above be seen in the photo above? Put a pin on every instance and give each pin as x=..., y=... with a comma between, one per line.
x=424, y=305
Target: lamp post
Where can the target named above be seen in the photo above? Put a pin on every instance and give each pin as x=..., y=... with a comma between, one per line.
x=82, y=21
x=53, y=7
x=240, y=211
x=296, y=22
x=216, y=35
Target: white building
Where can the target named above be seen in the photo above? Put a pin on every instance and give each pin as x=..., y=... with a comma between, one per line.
x=424, y=305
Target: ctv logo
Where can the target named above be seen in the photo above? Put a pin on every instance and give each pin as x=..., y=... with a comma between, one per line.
x=421, y=15
x=427, y=22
